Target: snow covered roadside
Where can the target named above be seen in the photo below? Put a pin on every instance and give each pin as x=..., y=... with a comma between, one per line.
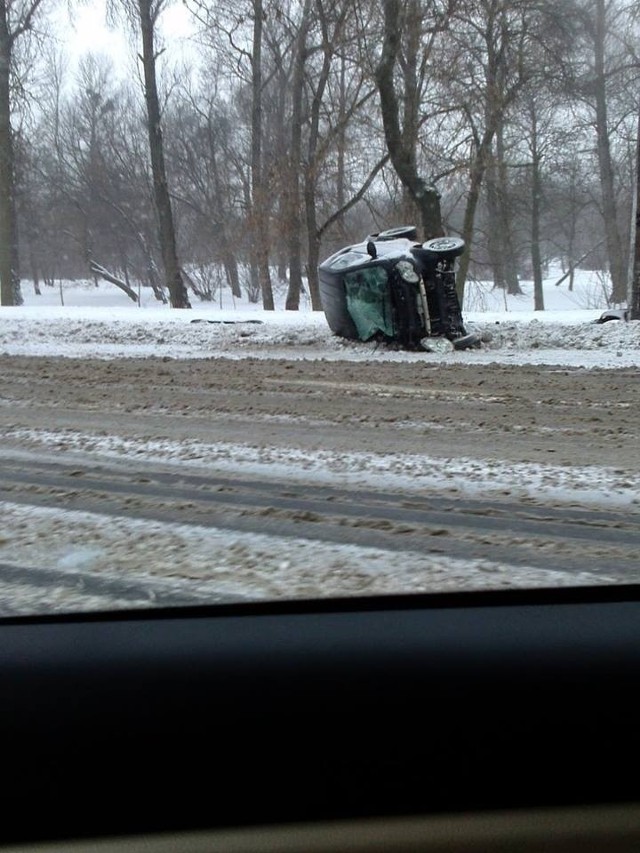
x=576, y=342
x=102, y=323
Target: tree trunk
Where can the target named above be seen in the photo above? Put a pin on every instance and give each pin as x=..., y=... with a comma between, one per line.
x=228, y=255
x=259, y=230
x=231, y=272
x=401, y=150
x=341, y=147
x=293, y=195
x=536, y=193
x=313, y=247
x=173, y=277
x=609, y=208
x=633, y=296
x=310, y=172
x=9, y=273
x=478, y=168
x=536, y=258
x=495, y=244
x=571, y=236
x=504, y=217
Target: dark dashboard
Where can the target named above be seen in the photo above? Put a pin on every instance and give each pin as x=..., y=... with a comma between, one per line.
x=302, y=713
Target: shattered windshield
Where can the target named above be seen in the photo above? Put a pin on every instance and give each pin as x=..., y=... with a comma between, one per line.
x=231, y=372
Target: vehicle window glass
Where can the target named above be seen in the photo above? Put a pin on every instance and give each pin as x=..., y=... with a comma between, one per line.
x=369, y=302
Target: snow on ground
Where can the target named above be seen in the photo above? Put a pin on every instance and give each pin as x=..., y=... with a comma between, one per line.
x=220, y=565
x=82, y=320
x=409, y=473
x=102, y=322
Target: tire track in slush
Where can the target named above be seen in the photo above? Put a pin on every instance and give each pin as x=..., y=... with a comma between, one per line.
x=563, y=538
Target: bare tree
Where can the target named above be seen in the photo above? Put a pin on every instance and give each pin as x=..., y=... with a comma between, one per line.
x=597, y=23
x=599, y=80
x=16, y=19
x=401, y=139
x=202, y=150
x=495, y=49
x=536, y=204
x=144, y=16
x=324, y=103
x=500, y=240
x=633, y=296
x=149, y=11
x=492, y=38
x=88, y=194
x=301, y=52
x=341, y=119
x=237, y=31
x=259, y=224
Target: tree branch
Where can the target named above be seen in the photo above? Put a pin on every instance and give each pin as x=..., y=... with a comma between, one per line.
x=99, y=270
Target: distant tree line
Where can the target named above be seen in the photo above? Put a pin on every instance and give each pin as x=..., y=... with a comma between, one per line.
x=292, y=128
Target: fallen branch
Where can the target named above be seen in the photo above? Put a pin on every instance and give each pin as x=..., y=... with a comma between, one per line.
x=97, y=269
x=578, y=262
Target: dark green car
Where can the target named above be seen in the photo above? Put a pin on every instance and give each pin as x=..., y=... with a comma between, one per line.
x=393, y=289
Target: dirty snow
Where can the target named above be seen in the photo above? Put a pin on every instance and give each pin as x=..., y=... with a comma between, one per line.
x=82, y=320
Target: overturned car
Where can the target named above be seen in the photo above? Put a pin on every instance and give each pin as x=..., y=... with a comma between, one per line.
x=393, y=289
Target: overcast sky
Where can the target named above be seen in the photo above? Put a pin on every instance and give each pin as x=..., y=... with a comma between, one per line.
x=84, y=28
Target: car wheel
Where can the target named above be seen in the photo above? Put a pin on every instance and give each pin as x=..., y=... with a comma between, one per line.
x=408, y=232
x=444, y=247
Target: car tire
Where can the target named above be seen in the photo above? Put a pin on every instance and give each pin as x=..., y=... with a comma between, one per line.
x=444, y=247
x=407, y=232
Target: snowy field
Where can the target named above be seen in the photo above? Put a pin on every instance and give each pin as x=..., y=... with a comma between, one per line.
x=85, y=321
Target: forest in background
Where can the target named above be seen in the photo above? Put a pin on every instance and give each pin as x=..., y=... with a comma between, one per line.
x=291, y=129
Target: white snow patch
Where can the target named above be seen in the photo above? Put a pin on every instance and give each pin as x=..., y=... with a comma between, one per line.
x=407, y=472
x=101, y=322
